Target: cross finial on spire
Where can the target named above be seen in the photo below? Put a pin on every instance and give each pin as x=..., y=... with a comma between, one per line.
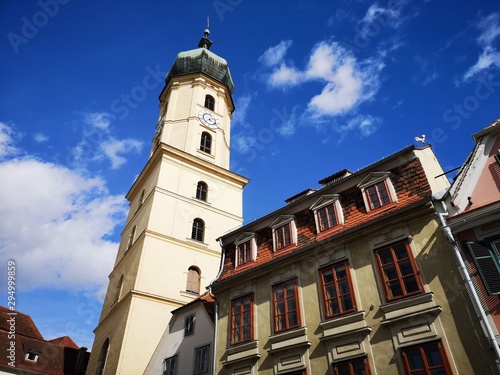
x=205, y=42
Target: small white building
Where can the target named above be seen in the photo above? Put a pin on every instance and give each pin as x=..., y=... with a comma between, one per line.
x=186, y=346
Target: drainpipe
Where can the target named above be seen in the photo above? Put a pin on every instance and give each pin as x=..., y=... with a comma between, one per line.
x=468, y=281
x=216, y=312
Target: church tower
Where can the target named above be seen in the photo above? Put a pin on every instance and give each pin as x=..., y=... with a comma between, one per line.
x=182, y=201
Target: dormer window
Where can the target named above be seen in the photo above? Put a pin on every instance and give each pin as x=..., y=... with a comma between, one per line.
x=377, y=190
x=32, y=356
x=246, y=248
x=327, y=212
x=209, y=102
x=284, y=232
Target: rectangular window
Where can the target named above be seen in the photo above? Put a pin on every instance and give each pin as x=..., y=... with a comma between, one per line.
x=337, y=289
x=426, y=359
x=283, y=236
x=170, y=366
x=327, y=217
x=377, y=195
x=244, y=252
x=286, y=306
x=398, y=271
x=241, y=320
x=357, y=366
x=189, y=325
x=201, y=360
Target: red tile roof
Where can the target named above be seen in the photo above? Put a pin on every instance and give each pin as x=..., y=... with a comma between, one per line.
x=19, y=335
x=411, y=186
x=24, y=324
x=65, y=341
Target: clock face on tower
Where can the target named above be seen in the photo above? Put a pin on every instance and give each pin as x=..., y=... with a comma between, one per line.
x=208, y=119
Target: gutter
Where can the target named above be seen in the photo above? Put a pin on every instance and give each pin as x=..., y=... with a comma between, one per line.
x=490, y=335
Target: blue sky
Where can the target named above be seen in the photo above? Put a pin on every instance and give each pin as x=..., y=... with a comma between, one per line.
x=319, y=86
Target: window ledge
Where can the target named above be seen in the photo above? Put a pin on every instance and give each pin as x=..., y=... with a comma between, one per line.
x=196, y=243
x=242, y=352
x=330, y=231
x=289, y=339
x=188, y=294
x=409, y=308
x=347, y=325
x=286, y=248
x=406, y=302
x=343, y=320
x=201, y=201
x=382, y=208
x=431, y=311
x=206, y=154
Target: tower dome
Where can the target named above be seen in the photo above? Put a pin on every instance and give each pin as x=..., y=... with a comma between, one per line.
x=201, y=60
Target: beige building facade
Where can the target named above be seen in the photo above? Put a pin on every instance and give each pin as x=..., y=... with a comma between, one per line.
x=182, y=200
x=353, y=278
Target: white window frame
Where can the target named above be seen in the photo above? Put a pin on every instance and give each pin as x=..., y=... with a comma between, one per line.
x=372, y=179
x=245, y=237
x=33, y=353
x=324, y=201
x=283, y=220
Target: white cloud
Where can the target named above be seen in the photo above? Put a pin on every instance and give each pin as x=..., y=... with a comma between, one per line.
x=100, y=120
x=40, y=138
x=346, y=83
x=489, y=57
x=243, y=143
x=364, y=124
x=274, y=55
x=377, y=17
x=99, y=144
x=112, y=148
x=390, y=16
x=7, y=147
x=285, y=76
x=54, y=223
x=242, y=104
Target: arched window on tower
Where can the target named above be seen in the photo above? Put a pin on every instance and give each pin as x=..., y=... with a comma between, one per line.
x=131, y=237
x=141, y=199
x=101, y=363
x=118, y=291
x=206, y=143
x=201, y=191
x=209, y=102
x=198, y=230
x=193, y=280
